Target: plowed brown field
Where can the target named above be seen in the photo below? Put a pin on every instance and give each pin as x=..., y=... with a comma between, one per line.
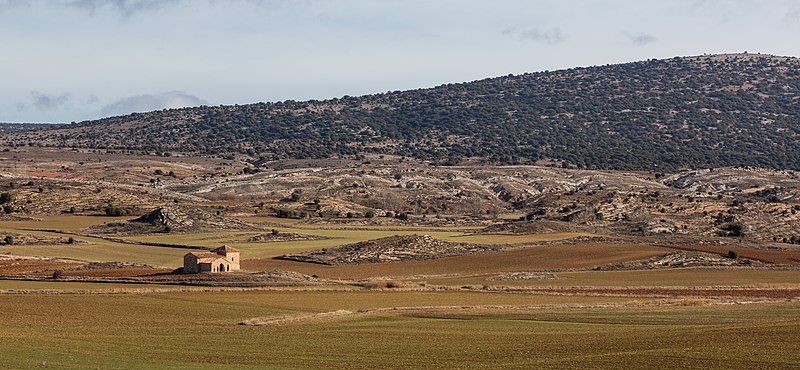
x=551, y=257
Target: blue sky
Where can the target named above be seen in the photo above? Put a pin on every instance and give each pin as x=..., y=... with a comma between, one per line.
x=71, y=60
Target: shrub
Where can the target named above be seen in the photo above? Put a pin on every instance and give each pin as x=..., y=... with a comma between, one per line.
x=113, y=211
x=733, y=254
x=732, y=229
x=71, y=240
x=57, y=274
x=393, y=284
x=6, y=198
x=9, y=240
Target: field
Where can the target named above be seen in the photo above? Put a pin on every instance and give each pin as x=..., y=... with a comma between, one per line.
x=102, y=250
x=524, y=259
x=449, y=312
x=183, y=330
x=569, y=289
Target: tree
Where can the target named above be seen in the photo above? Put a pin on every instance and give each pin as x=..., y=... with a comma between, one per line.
x=733, y=229
x=113, y=211
x=6, y=198
x=296, y=195
x=9, y=240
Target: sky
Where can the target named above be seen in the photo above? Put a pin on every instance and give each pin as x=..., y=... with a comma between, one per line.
x=74, y=60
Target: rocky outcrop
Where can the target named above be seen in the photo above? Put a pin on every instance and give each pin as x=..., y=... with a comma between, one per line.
x=390, y=249
x=681, y=259
x=171, y=219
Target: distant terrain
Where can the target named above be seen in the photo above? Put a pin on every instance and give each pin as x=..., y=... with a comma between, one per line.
x=439, y=228
x=663, y=115
x=19, y=127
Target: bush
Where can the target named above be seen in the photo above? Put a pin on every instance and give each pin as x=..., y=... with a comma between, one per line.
x=733, y=254
x=9, y=240
x=113, y=211
x=732, y=229
x=385, y=284
x=295, y=197
x=57, y=274
x=71, y=240
x=6, y=198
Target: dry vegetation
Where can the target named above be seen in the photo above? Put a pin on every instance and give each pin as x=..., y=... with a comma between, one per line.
x=409, y=250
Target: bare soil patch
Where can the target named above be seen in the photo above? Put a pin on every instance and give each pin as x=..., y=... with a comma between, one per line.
x=22, y=266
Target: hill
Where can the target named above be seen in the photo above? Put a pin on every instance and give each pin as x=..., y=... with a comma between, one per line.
x=684, y=112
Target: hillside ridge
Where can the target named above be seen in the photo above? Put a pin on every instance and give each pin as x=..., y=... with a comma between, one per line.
x=683, y=112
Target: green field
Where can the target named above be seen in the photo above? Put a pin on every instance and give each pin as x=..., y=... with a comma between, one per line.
x=199, y=330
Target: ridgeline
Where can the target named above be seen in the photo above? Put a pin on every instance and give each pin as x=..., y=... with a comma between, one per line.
x=684, y=112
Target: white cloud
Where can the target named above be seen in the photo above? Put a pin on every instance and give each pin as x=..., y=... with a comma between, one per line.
x=45, y=102
x=640, y=39
x=151, y=102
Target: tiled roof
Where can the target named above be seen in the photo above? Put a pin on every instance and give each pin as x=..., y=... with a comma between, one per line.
x=225, y=249
x=206, y=256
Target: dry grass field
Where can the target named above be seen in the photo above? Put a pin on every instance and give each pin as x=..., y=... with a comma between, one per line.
x=446, y=330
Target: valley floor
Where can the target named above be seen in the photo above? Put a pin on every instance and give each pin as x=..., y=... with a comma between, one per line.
x=392, y=329
x=545, y=300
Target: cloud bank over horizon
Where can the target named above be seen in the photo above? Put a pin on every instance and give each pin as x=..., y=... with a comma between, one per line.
x=151, y=102
x=74, y=60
